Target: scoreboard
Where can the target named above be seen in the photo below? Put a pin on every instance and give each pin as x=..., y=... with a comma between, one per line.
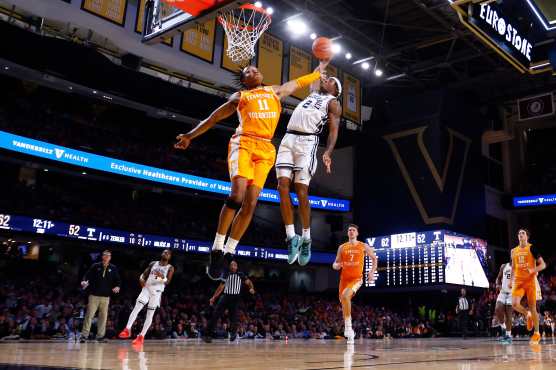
x=90, y=233
x=428, y=258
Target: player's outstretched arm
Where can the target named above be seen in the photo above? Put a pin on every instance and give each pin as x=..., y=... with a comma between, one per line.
x=499, y=277
x=222, y=112
x=337, y=265
x=541, y=265
x=291, y=86
x=334, y=113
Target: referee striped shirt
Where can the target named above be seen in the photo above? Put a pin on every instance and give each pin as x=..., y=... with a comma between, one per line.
x=233, y=283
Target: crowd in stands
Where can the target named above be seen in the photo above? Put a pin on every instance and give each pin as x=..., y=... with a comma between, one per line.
x=41, y=305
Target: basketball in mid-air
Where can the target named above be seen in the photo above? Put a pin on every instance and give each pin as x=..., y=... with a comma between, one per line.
x=322, y=48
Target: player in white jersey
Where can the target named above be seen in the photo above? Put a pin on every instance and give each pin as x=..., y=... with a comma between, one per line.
x=153, y=281
x=297, y=159
x=503, y=308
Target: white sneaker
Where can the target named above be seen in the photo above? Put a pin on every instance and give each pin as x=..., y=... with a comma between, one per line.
x=350, y=335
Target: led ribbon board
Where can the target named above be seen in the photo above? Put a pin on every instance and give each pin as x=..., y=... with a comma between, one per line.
x=79, y=158
x=510, y=28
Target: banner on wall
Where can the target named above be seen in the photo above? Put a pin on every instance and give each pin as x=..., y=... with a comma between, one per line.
x=271, y=53
x=225, y=61
x=111, y=10
x=199, y=41
x=352, y=98
x=300, y=64
x=41, y=149
x=139, y=23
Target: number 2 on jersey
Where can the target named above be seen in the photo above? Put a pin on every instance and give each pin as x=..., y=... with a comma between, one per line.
x=263, y=104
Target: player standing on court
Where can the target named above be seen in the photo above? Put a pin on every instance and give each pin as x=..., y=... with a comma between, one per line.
x=526, y=264
x=503, y=309
x=153, y=281
x=351, y=260
x=251, y=154
x=297, y=158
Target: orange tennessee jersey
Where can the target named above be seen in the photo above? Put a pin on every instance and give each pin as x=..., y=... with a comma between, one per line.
x=258, y=112
x=352, y=258
x=523, y=259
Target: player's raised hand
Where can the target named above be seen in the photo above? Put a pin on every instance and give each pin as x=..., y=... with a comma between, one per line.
x=323, y=63
x=327, y=160
x=211, y=301
x=370, y=277
x=252, y=291
x=337, y=265
x=183, y=142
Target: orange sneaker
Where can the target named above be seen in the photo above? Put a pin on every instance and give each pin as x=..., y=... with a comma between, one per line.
x=138, y=341
x=529, y=321
x=124, y=334
x=535, y=338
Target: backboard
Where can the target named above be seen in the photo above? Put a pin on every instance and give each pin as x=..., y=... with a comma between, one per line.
x=165, y=18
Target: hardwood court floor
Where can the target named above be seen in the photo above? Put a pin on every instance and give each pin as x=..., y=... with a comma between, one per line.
x=414, y=354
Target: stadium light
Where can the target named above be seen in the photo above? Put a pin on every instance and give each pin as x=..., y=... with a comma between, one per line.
x=258, y=4
x=378, y=72
x=336, y=48
x=313, y=36
x=348, y=56
x=297, y=26
x=365, y=66
x=269, y=10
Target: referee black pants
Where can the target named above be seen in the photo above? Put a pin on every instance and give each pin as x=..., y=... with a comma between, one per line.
x=463, y=318
x=229, y=302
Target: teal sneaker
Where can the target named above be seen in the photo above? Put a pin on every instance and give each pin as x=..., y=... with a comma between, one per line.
x=506, y=340
x=304, y=252
x=293, y=248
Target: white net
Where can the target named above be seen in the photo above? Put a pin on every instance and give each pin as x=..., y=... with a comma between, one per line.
x=243, y=27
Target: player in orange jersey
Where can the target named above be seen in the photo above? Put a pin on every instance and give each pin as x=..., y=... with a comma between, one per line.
x=526, y=264
x=351, y=260
x=251, y=153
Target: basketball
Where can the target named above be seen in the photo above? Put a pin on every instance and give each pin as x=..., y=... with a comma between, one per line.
x=322, y=48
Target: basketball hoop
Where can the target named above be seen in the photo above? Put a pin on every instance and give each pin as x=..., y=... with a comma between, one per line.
x=243, y=27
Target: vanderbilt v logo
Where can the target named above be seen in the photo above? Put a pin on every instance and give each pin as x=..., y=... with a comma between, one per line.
x=448, y=188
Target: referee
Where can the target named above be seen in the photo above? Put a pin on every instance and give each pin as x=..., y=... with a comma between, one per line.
x=463, y=308
x=231, y=286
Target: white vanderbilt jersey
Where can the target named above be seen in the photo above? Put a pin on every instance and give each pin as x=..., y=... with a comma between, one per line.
x=311, y=114
x=152, y=282
x=506, y=277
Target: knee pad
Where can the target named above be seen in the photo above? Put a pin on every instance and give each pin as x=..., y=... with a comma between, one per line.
x=232, y=204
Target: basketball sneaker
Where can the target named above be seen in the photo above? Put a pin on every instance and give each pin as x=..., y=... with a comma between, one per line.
x=535, y=338
x=350, y=335
x=506, y=339
x=529, y=321
x=124, y=334
x=304, y=252
x=138, y=341
x=216, y=262
x=293, y=248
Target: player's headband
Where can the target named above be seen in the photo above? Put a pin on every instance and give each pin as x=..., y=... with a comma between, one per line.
x=339, y=86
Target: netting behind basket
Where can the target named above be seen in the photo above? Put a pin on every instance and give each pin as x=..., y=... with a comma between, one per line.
x=243, y=27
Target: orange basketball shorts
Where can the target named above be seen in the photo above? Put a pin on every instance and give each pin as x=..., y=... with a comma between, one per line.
x=353, y=283
x=526, y=288
x=251, y=158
